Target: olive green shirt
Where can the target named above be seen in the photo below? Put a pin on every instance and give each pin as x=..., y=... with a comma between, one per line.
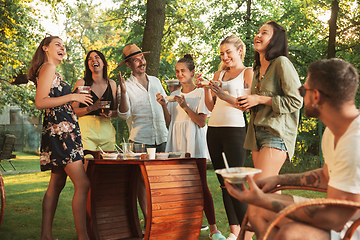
x=281, y=82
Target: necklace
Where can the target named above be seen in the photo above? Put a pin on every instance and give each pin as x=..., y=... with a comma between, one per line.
x=258, y=85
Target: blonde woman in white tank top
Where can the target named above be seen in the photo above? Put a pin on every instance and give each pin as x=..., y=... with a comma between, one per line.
x=226, y=132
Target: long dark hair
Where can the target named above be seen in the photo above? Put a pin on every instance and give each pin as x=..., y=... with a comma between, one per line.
x=39, y=58
x=278, y=45
x=88, y=74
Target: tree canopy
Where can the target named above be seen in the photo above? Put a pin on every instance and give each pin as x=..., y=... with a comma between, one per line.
x=316, y=29
x=190, y=26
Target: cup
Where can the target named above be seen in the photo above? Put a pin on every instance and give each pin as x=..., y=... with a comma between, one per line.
x=105, y=106
x=151, y=152
x=127, y=147
x=84, y=89
x=242, y=92
x=139, y=148
x=217, y=83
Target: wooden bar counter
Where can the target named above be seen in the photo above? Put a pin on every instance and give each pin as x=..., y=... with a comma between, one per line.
x=174, y=199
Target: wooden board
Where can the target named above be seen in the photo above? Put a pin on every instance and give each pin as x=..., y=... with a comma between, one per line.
x=174, y=195
x=176, y=200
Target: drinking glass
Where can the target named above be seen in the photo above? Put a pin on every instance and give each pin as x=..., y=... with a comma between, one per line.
x=84, y=89
x=139, y=148
x=105, y=106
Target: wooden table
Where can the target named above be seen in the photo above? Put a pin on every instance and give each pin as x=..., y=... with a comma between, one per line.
x=174, y=199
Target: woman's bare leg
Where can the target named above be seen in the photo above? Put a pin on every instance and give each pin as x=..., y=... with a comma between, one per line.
x=235, y=229
x=77, y=174
x=269, y=160
x=50, y=201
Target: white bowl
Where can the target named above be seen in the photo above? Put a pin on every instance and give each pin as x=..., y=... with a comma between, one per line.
x=161, y=155
x=170, y=98
x=133, y=155
x=174, y=154
x=172, y=82
x=237, y=174
x=109, y=155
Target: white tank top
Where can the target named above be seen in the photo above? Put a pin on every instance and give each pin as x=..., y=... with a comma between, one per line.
x=225, y=114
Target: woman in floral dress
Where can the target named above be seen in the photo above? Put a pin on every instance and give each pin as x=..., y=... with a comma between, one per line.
x=61, y=147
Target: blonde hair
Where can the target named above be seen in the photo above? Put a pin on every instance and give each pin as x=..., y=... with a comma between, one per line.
x=238, y=44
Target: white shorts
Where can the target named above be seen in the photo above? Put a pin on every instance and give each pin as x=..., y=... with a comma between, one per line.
x=335, y=235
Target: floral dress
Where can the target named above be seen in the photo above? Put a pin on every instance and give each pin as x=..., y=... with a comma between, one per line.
x=61, y=140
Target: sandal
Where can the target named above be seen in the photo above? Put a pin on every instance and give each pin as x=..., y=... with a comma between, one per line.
x=217, y=236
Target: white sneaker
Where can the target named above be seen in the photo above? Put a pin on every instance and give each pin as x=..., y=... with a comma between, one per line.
x=232, y=237
x=204, y=227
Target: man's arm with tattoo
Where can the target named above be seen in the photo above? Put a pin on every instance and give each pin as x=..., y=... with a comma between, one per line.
x=314, y=178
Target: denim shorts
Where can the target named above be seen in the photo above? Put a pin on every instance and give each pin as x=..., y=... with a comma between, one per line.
x=265, y=139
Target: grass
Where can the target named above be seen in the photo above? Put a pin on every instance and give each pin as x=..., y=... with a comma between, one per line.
x=25, y=191
x=24, y=194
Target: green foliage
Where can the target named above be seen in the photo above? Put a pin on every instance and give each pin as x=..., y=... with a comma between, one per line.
x=18, y=42
x=194, y=27
x=122, y=130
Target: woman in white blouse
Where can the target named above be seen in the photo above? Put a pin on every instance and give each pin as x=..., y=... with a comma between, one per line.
x=186, y=115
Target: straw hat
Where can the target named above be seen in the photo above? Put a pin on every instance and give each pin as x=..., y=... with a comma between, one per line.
x=131, y=50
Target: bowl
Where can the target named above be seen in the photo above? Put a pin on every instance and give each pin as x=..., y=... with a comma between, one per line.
x=172, y=82
x=237, y=174
x=174, y=154
x=109, y=155
x=170, y=98
x=206, y=84
x=161, y=155
x=133, y=155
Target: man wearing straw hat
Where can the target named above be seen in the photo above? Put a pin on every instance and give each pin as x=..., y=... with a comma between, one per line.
x=329, y=95
x=139, y=107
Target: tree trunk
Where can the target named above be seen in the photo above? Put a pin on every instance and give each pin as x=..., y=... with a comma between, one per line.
x=153, y=33
x=248, y=58
x=333, y=28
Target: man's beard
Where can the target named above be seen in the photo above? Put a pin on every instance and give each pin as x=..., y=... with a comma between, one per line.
x=142, y=65
x=312, y=111
x=138, y=69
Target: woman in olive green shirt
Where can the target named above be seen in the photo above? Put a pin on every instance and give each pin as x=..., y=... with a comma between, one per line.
x=274, y=102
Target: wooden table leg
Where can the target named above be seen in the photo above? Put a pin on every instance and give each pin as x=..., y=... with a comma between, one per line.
x=176, y=200
x=111, y=205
